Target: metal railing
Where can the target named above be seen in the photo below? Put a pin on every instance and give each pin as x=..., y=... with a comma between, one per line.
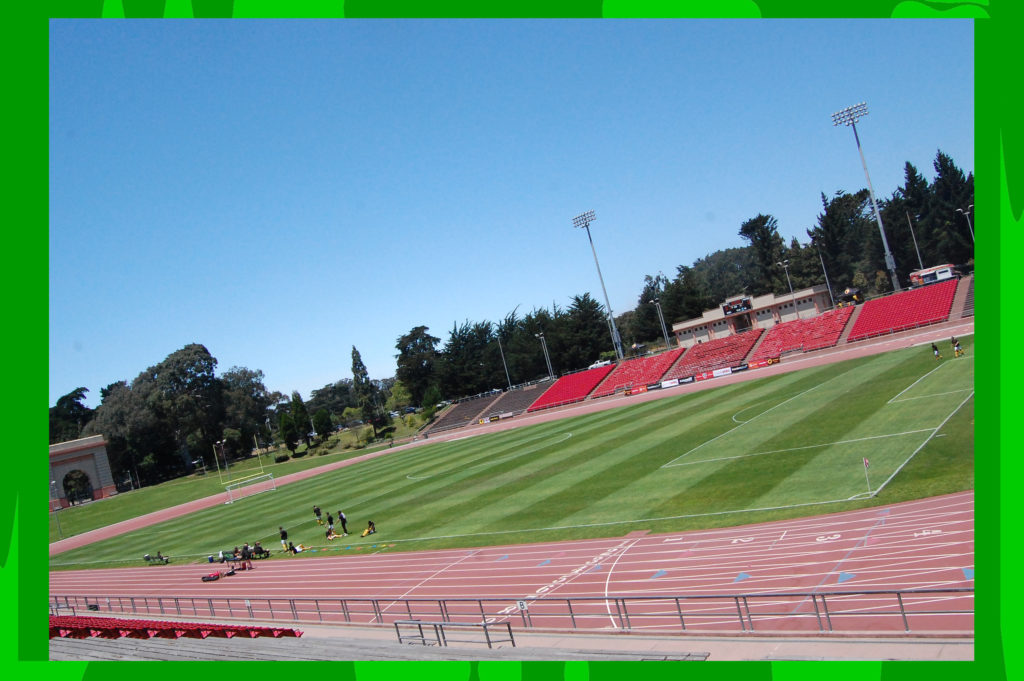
x=949, y=610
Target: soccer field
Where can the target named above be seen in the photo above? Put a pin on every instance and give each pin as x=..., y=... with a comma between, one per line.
x=781, y=446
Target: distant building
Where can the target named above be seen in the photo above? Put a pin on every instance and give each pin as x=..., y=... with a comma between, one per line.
x=742, y=313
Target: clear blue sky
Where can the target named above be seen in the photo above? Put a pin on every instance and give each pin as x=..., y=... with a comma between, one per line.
x=283, y=191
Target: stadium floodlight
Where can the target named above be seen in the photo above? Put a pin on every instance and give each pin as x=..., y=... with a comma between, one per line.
x=661, y=318
x=547, y=357
x=583, y=220
x=785, y=265
x=814, y=242
x=968, y=218
x=849, y=116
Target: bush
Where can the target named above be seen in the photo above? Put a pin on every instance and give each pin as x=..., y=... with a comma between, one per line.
x=281, y=458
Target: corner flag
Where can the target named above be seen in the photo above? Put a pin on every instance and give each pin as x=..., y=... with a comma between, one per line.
x=866, y=464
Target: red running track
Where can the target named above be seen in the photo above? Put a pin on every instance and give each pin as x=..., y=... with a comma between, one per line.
x=924, y=544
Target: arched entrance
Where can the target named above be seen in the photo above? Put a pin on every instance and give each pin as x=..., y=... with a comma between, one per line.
x=80, y=470
x=77, y=487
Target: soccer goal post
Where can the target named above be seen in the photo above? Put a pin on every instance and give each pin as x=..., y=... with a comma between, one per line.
x=254, y=484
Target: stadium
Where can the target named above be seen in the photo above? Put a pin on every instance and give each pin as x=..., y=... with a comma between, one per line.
x=801, y=481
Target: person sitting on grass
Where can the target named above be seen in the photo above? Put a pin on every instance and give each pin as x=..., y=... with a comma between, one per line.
x=370, y=529
x=331, y=534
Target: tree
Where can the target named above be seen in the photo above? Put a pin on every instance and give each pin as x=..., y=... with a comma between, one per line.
x=948, y=235
x=246, y=400
x=334, y=397
x=322, y=424
x=767, y=249
x=365, y=392
x=301, y=417
x=69, y=416
x=399, y=398
x=416, y=359
x=843, y=232
x=289, y=433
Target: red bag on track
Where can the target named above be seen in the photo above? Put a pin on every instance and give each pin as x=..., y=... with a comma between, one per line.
x=212, y=577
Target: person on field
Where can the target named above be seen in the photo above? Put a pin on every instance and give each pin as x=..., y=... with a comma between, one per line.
x=331, y=535
x=344, y=523
x=284, y=538
x=247, y=556
x=316, y=513
x=370, y=529
x=330, y=522
x=957, y=350
x=935, y=351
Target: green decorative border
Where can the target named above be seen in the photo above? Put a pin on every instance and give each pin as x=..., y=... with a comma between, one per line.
x=999, y=200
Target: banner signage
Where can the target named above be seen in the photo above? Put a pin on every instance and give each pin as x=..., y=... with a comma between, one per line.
x=670, y=384
x=718, y=373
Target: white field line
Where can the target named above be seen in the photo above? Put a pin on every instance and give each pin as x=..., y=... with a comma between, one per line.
x=608, y=579
x=921, y=397
x=794, y=449
x=927, y=440
x=753, y=418
x=895, y=397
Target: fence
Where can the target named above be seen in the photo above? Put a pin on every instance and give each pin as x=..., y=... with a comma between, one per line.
x=949, y=611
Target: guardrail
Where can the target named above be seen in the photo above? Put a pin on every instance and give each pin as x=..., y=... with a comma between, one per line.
x=414, y=631
x=896, y=612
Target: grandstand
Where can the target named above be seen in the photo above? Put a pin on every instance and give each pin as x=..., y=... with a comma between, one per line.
x=905, y=310
x=804, y=335
x=715, y=354
x=465, y=412
x=516, y=401
x=637, y=372
x=572, y=388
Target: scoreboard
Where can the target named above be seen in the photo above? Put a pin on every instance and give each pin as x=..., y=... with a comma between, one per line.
x=736, y=306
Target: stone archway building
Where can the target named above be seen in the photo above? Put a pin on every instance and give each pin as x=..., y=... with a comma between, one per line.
x=89, y=455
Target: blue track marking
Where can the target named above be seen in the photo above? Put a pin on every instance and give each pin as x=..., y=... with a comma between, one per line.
x=845, y=576
x=740, y=577
x=659, y=573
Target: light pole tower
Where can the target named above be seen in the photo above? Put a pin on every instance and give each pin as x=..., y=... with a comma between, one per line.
x=968, y=218
x=785, y=265
x=815, y=244
x=849, y=116
x=547, y=358
x=661, y=318
x=583, y=220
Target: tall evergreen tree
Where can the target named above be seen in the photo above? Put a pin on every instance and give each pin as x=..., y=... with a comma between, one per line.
x=300, y=415
x=416, y=360
x=365, y=392
x=767, y=249
x=69, y=416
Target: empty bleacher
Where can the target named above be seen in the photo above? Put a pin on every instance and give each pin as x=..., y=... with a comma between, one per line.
x=572, y=388
x=969, y=300
x=637, y=372
x=464, y=412
x=905, y=310
x=715, y=354
x=803, y=335
x=516, y=401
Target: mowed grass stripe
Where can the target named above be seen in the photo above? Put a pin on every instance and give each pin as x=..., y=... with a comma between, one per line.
x=606, y=477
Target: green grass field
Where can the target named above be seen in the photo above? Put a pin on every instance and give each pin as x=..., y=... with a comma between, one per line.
x=771, y=448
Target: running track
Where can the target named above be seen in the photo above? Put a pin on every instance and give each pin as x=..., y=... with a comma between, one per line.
x=913, y=545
